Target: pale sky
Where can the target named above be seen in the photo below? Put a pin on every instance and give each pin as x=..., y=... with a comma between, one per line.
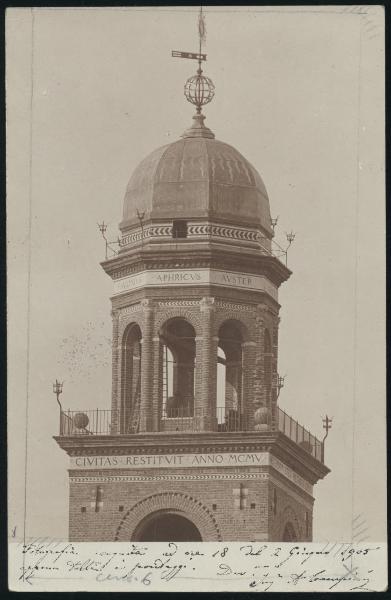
x=299, y=92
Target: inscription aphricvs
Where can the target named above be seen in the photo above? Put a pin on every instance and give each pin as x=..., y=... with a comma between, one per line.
x=178, y=276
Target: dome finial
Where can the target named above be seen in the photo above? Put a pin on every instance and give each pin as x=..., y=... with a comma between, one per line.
x=198, y=128
x=199, y=89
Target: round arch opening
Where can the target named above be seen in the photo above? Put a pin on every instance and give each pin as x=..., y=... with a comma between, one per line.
x=229, y=397
x=178, y=370
x=167, y=527
x=131, y=378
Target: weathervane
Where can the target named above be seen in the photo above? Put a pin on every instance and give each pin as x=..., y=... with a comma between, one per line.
x=199, y=89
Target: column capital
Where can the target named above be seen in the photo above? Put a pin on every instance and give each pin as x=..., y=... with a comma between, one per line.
x=147, y=304
x=263, y=308
x=207, y=302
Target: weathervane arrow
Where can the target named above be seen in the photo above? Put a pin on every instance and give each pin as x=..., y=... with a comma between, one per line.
x=201, y=27
x=202, y=38
x=193, y=55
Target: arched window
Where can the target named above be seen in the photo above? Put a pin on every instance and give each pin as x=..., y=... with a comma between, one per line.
x=168, y=373
x=221, y=377
x=178, y=369
x=131, y=379
x=229, y=405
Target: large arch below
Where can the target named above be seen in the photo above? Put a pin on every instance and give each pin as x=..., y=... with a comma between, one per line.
x=169, y=502
x=167, y=526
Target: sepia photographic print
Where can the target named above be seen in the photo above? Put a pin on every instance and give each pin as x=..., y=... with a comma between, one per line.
x=196, y=298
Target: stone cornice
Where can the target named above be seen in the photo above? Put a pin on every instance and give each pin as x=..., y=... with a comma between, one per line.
x=247, y=300
x=165, y=443
x=244, y=262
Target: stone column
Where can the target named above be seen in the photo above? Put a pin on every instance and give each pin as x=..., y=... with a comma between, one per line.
x=274, y=366
x=206, y=364
x=260, y=417
x=249, y=395
x=115, y=388
x=146, y=367
x=157, y=391
x=198, y=388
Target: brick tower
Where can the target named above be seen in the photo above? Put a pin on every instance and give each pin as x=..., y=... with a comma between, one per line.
x=194, y=446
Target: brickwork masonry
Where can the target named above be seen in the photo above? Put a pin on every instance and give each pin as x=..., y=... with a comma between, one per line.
x=228, y=504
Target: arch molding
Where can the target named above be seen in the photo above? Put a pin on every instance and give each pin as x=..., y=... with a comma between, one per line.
x=190, y=507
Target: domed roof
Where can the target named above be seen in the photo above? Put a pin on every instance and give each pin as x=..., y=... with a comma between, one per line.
x=197, y=177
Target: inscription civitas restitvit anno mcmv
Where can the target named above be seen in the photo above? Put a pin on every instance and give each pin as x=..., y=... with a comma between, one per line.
x=176, y=460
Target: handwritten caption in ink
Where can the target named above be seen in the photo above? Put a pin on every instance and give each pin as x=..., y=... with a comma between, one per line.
x=47, y=565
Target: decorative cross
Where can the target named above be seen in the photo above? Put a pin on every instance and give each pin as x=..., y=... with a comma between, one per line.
x=327, y=422
x=57, y=389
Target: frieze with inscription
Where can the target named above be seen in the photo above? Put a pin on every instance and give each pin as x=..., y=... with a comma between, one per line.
x=196, y=460
x=193, y=277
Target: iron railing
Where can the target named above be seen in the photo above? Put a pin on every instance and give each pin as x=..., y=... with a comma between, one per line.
x=110, y=422
x=299, y=434
x=89, y=422
x=190, y=419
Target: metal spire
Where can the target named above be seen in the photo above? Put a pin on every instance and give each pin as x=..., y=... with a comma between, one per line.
x=199, y=89
x=201, y=33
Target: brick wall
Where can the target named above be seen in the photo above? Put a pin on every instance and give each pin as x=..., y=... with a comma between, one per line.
x=215, y=494
x=288, y=504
